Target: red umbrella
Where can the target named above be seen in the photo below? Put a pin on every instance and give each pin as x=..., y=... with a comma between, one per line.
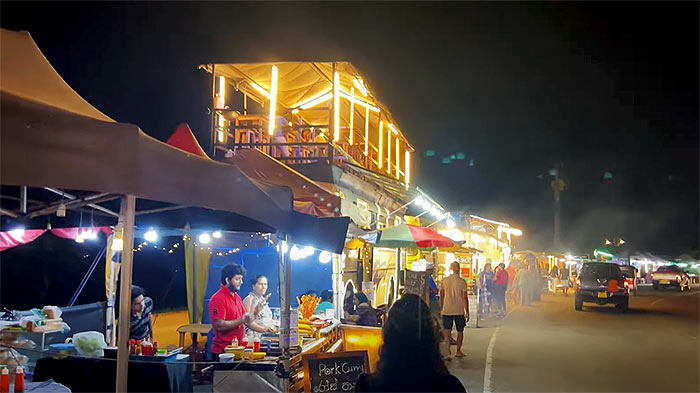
x=413, y=236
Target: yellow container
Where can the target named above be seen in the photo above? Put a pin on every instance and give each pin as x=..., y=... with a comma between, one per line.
x=236, y=351
x=257, y=355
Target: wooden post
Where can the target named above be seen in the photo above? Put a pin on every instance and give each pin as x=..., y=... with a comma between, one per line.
x=126, y=216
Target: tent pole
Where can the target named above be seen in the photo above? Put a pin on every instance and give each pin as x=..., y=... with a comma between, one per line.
x=213, y=111
x=127, y=214
x=23, y=199
x=284, y=272
x=194, y=283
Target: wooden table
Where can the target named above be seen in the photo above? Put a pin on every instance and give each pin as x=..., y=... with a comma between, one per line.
x=194, y=329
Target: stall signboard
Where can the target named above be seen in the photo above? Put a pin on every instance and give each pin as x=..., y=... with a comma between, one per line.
x=291, y=335
x=416, y=283
x=333, y=372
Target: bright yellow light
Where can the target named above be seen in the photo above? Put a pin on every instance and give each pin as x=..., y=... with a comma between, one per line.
x=260, y=89
x=295, y=111
x=408, y=167
x=393, y=129
x=305, y=104
x=353, y=339
x=221, y=121
x=336, y=106
x=357, y=101
x=222, y=87
x=360, y=86
x=381, y=139
x=273, y=100
x=398, y=161
x=352, y=114
x=366, y=131
x=317, y=101
x=220, y=136
x=388, y=151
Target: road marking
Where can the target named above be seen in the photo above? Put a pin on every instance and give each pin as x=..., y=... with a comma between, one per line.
x=489, y=362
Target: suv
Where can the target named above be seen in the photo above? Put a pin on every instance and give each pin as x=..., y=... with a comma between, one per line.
x=670, y=275
x=601, y=283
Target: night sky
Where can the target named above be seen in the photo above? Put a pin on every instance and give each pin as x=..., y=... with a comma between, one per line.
x=516, y=87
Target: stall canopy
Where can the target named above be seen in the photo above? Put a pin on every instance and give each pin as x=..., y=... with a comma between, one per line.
x=309, y=197
x=51, y=137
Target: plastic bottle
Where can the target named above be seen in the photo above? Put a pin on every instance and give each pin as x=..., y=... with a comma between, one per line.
x=5, y=381
x=155, y=346
x=138, y=347
x=19, y=379
x=234, y=342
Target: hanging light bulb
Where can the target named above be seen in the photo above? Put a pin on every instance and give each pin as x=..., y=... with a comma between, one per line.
x=307, y=251
x=324, y=257
x=204, y=238
x=151, y=235
x=419, y=200
x=295, y=253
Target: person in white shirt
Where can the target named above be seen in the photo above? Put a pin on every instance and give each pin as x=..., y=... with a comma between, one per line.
x=454, y=307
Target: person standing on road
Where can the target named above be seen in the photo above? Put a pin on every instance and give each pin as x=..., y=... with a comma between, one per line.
x=485, y=290
x=553, y=279
x=522, y=284
x=564, y=280
x=454, y=308
x=500, y=284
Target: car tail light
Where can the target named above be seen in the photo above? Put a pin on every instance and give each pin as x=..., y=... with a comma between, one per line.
x=627, y=284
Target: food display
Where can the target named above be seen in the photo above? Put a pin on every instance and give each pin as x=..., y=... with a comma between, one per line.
x=307, y=305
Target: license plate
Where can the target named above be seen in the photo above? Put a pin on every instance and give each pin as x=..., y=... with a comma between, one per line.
x=603, y=295
x=665, y=282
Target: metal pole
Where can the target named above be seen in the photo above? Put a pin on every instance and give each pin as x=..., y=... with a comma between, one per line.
x=127, y=214
x=284, y=273
x=23, y=199
x=194, y=282
x=213, y=111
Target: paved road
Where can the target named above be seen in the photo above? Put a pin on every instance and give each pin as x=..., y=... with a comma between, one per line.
x=551, y=347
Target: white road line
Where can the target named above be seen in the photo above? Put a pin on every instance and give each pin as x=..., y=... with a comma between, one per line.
x=489, y=354
x=489, y=362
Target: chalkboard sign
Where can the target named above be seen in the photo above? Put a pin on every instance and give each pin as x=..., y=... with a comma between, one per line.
x=416, y=283
x=333, y=372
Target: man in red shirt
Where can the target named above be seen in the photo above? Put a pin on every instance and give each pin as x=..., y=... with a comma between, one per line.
x=226, y=311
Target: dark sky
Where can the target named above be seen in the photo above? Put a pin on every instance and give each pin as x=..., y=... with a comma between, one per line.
x=516, y=87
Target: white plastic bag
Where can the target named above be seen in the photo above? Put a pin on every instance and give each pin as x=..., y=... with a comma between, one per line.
x=90, y=344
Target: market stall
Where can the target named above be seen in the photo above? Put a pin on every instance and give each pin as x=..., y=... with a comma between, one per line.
x=52, y=138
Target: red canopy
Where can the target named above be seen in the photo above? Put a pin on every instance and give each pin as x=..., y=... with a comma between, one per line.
x=184, y=139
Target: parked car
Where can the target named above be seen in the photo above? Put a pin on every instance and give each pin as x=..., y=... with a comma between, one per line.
x=630, y=272
x=670, y=276
x=601, y=283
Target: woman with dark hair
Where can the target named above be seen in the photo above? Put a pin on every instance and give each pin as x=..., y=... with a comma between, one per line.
x=410, y=359
x=364, y=314
x=256, y=298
